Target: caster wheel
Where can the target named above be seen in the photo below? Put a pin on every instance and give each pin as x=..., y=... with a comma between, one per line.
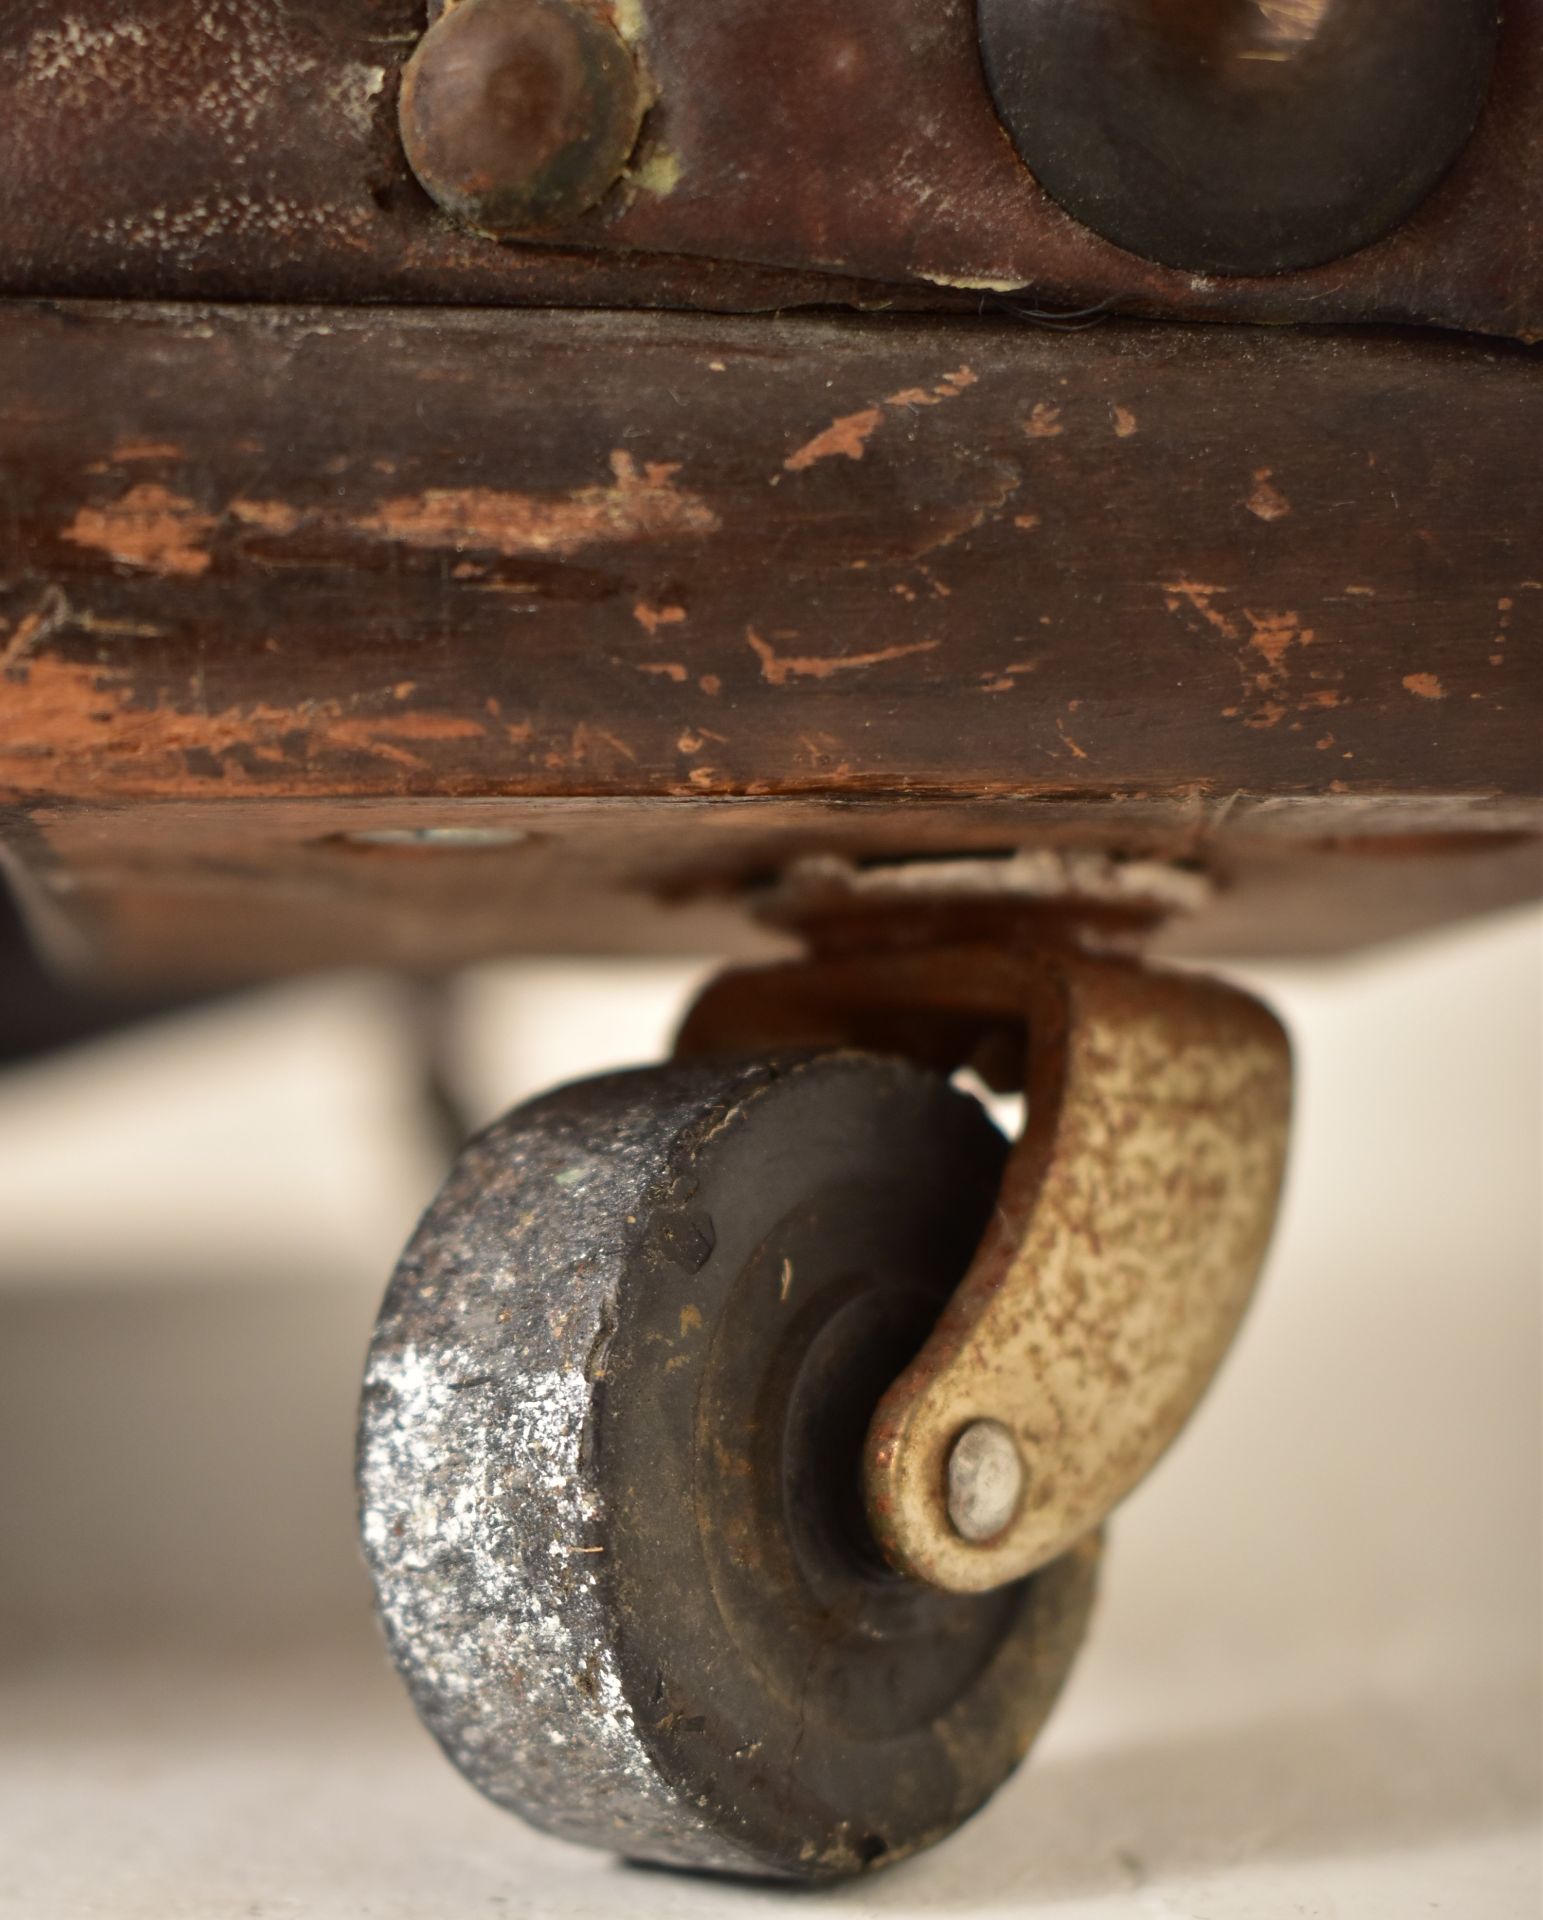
x=609, y=1465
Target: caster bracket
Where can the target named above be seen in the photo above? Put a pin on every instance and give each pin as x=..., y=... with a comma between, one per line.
x=1131, y=1226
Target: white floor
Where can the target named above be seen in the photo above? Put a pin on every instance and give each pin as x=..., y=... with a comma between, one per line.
x=1313, y=1688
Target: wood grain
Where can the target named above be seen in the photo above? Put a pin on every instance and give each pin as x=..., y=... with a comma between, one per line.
x=1147, y=584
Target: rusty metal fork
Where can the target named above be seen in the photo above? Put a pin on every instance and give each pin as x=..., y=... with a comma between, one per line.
x=1133, y=1220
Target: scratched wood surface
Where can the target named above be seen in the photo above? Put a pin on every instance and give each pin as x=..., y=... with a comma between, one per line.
x=1144, y=584
x=797, y=152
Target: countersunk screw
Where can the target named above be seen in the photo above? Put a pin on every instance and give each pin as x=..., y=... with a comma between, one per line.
x=519, y=114
x=985, y=1480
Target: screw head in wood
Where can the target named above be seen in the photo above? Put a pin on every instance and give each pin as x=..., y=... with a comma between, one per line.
x=519, y=115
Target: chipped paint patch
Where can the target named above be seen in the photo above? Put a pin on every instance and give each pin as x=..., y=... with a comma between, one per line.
x=627, y=18
x=658, y=174
x=1044, y=422
x=1270, y=636
x=355, y=93
x=1007, y=678
x=651, y=619
x=32, y=629
x=1125, y=423
x=1424, y=686
x=1267, y=502
x=1198, y=596
x=973, y=283
x=846, y=438
x=1274, y=633
x=948, y=388
x=641, y=504
x=269, y=516
x=849, y=436
x=150, y=528
x=777, y=669
x=73, y=719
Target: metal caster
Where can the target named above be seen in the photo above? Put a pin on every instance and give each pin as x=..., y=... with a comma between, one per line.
x=736, y=1433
